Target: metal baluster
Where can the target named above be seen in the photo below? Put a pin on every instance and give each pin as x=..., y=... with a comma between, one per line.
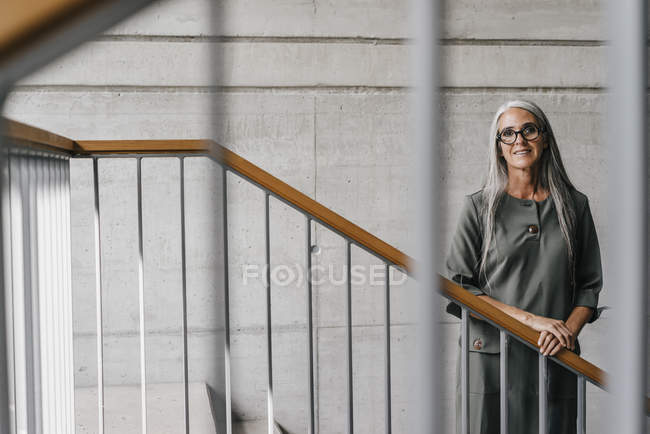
x=269, y=343
x=543, y=401
x=503, y=379
x=143, y=371
x=310, y=332
x=387, y=352
x=98, y=301
x=348, y=331
x=184, y=302
x=582, y=407
x=464, y=371
x=226, y=298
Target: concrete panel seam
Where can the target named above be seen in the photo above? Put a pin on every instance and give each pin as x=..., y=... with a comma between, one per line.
x=524, y=42
x=150, y=332
x=239, y=330
x=542, y=89
x=256, y=39
x=346, y=40
x=216, y=89
x=321, y=90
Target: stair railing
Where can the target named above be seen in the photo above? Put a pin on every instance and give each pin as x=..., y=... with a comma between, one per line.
x=45, y=143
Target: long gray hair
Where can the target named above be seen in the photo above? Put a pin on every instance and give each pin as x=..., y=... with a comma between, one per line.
x=551, y=176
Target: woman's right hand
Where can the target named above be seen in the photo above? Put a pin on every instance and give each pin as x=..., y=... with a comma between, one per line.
x=555, y=327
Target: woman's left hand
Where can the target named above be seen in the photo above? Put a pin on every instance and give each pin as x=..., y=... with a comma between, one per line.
x=551, y=345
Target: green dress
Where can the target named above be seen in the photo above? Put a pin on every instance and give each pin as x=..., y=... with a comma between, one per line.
x=527, y=267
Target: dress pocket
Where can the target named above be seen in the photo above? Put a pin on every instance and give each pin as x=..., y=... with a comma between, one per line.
x=483, y=337
x=483, y=372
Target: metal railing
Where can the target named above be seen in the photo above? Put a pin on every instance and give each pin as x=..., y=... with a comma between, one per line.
x=71, y=22
x=510, y=329
x=353, y=235
x=99, y=271
x=235, y=165
x=36, y=218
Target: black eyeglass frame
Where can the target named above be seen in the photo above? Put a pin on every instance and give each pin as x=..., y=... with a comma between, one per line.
x=540, y=131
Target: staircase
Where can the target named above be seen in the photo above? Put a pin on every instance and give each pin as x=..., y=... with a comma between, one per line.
x=157, y=347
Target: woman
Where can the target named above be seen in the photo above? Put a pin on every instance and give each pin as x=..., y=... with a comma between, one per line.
x=525, y=243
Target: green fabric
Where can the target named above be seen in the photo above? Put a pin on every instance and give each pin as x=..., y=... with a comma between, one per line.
x=529, y=271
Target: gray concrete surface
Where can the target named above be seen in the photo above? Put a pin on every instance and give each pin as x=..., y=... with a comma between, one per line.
x=317, y=93
x=345, y=63
x=165, y=411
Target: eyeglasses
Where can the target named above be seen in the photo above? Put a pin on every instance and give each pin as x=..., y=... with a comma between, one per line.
x=529, y=132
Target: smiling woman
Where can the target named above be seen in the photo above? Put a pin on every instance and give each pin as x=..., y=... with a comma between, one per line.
x=525, y=243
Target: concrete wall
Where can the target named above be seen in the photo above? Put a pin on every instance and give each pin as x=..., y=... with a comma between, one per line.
x=317, y=94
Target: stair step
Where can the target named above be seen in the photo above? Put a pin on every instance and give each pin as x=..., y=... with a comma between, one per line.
x=122, y=409
x=255, y=427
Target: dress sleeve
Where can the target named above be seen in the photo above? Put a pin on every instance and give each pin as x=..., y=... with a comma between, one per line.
x=589, y=275
x=464, y=253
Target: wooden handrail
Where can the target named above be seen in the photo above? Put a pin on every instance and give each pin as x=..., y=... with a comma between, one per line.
x=345, y=227
x=485, y=309
x=28, y=134
x=99, y=147
x=311, y=207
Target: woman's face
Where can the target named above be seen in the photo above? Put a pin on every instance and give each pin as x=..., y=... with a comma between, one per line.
x=522, y=154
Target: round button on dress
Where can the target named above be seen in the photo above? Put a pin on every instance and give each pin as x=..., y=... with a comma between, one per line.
x=533, y=229
x=478, y=344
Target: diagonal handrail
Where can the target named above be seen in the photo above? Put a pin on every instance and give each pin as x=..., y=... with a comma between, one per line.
x=285, y=192
x=249, y=170
x=518, y=329
x=355, y=233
